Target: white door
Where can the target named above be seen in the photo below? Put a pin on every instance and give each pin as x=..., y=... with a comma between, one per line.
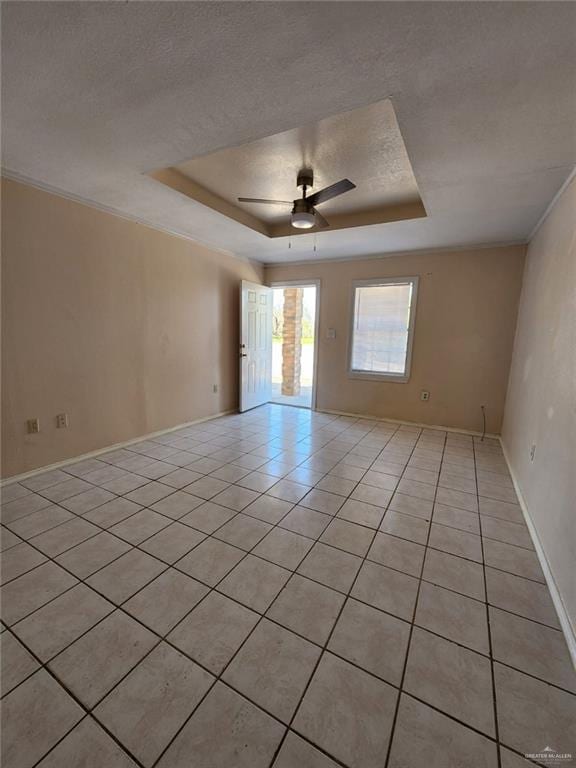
x=255, y=345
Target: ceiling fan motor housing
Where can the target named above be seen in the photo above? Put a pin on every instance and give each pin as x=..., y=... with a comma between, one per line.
x=305, y=178
x=302, y=206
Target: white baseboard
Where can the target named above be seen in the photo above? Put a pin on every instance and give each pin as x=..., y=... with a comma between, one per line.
x=108, y=448
x=408, y=423
x=563, y=616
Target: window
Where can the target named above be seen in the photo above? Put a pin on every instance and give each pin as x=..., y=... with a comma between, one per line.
x=382, y=328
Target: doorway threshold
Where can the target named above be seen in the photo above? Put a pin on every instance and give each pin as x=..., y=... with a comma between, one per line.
x=288, y=402
x=302, y=400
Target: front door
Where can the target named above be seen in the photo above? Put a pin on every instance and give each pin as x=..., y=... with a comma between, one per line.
x=255, y=345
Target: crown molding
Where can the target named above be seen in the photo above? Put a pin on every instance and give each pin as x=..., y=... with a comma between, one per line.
x=552, y=203
x=392, y=254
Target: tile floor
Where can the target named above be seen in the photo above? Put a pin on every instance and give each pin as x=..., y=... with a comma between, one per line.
x=279, y=588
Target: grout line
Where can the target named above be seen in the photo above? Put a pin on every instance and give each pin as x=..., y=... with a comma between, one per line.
x=409, y=643
x=134, y=618
x=86, y=710
x=173, y=565
x=237, y=651
x=489, y=629
x=329, y=637
x=244, y=695
x=204, y=501
x=161, y=638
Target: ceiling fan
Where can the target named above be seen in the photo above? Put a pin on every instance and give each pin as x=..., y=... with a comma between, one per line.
x=304, y=213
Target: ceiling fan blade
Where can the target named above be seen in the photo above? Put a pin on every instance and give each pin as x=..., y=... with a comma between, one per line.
x=345, y=185
x=261, y=200
x=320, y=220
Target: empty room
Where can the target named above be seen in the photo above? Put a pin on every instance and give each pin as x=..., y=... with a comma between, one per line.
x=288, y=395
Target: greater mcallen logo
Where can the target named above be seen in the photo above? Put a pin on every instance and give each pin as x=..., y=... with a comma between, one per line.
x=550, y=756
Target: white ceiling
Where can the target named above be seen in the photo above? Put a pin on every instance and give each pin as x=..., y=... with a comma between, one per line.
x=363, y=144
x=96, y=94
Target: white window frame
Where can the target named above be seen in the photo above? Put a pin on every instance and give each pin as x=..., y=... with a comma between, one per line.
x=375, y=375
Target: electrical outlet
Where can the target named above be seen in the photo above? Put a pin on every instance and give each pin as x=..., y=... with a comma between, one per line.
x=424, y=395
x=215, y=388
x=33, y=426
x=331, y=333
x=532, y=451
x=62, y=421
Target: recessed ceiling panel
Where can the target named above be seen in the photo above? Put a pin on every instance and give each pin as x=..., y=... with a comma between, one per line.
x=364, y=145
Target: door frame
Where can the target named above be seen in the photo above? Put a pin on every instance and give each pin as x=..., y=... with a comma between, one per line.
x=316, y=282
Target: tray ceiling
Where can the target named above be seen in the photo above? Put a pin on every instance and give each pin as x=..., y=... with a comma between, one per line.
x=364, y=145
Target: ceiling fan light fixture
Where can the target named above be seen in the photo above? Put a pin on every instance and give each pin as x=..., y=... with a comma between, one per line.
x=303, y=220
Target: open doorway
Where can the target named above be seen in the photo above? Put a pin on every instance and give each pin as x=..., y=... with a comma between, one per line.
x=294, y=338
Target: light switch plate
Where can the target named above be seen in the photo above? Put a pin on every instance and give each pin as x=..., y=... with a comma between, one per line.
x=33, y=426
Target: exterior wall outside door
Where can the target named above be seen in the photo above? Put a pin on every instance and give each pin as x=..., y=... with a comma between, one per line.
x=292, y=340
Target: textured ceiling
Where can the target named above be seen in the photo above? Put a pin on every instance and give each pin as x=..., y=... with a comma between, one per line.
x=97, y=94
x=363, y=144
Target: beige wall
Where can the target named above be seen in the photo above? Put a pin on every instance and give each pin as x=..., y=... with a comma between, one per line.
x=126, y=329
x=541, y=401
x=121, y=326
x=465, y=320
